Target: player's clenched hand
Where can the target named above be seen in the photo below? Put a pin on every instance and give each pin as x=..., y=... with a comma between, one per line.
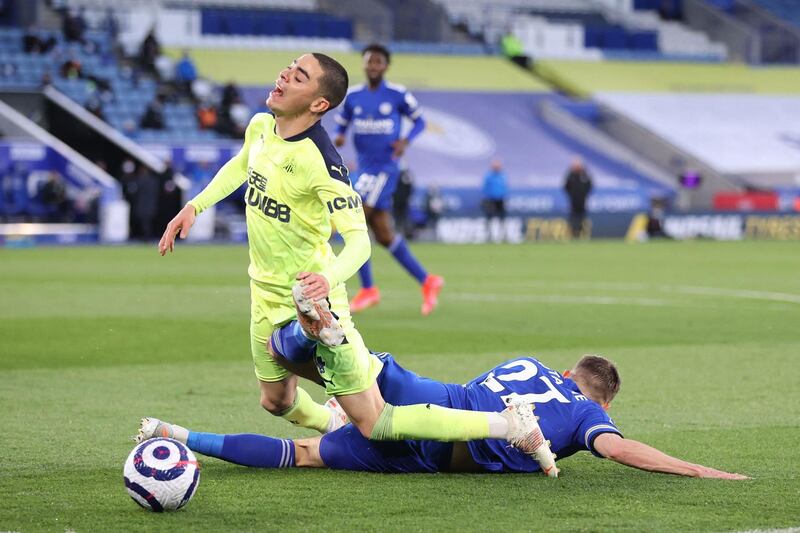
x=315, y=286
x=339, y=141
x=180, y=224
x=399, y=148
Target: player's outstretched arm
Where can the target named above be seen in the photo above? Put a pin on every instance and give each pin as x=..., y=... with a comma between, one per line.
x=638, y=455
x=178, y=225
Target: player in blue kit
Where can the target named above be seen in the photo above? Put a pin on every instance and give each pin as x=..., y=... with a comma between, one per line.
x=375, y=112
x=571, y=408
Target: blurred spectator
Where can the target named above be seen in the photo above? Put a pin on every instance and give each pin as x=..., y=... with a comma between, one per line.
x=202, y=90
x=153, y=117
x=655, y=226
x=53, y=195
x=230, y=95
x=95, y=106
x=169, y=198
x=145, y=202
x=233, y=115
x=185, y=73
x=149, y=51
x=513, y=50
x=495, y=190
x=401, y=201
x=578, y=185
x=71, y=68
x=110, y=25
x=47, y=80
x=32, y=43
x=74, y=25
x=434, y=205
x=207, y=116
x=128, y=179
x=165, y=68
x=101, y=87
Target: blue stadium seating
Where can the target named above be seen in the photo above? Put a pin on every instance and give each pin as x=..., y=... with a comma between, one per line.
x=613, y=37
x=226, y=21
x=788, y=10
x=19, y=70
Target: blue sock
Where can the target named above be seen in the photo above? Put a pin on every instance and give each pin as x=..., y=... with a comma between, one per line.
x=290, y=342
x=206, y=443
x=400, y=251
x=365, y=273
x=245, y=449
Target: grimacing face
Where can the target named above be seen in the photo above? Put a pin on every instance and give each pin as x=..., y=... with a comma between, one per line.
x=375, y=66
x=297, y=88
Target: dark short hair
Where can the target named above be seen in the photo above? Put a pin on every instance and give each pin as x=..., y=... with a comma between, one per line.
x=334, y=81
x=600, y=374
x=378, y=48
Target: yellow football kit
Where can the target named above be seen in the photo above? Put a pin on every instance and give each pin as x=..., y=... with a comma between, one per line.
x=298, y=187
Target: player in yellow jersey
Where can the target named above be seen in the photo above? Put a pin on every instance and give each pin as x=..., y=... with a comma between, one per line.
x=297, y=187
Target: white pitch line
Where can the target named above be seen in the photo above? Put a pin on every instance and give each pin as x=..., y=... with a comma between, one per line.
x=747, y=294
x=699, y=290
x=597, y=300
x=786, y=530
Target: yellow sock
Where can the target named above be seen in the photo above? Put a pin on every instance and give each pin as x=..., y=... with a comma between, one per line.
x=307, y=413
x=430, y=422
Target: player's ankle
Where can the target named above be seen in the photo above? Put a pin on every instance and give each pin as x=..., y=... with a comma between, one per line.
x=500, y=426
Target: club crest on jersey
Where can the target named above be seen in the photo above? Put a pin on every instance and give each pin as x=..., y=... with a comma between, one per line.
x=289, y=167
x=342, y=202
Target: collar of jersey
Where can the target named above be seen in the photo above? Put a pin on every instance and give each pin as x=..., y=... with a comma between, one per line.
x=568, y=383
x=380, y=86
x=300, y=136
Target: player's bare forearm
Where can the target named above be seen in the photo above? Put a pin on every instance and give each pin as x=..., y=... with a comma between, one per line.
x=639, y=455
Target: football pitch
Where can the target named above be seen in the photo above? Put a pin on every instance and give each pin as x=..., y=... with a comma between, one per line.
x=706, y=336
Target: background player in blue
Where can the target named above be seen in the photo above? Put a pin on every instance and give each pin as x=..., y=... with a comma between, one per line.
x=375, y=111
x=571, y=408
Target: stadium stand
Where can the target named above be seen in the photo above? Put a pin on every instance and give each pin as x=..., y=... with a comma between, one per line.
x=582, y=29
x=630, y=63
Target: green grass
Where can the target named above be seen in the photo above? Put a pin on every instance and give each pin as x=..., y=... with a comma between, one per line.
x=705, y=335
x=440, y=72
x=585, y=78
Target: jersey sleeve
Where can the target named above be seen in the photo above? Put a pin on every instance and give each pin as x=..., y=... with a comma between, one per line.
x=344, y=116
x=410, y=106
x=344, y=206
x=230, y=176
x=593, y=421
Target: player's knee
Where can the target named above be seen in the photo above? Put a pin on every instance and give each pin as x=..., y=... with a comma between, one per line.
x=276, y=405
x=384, y=238
x=365, y=427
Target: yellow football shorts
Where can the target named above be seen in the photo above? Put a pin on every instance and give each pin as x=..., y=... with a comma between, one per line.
x=346, y=369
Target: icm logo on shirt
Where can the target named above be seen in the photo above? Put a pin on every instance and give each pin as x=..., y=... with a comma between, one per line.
x=341, y=202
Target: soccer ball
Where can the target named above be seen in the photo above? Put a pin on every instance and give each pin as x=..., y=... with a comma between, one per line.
x=161, y=474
